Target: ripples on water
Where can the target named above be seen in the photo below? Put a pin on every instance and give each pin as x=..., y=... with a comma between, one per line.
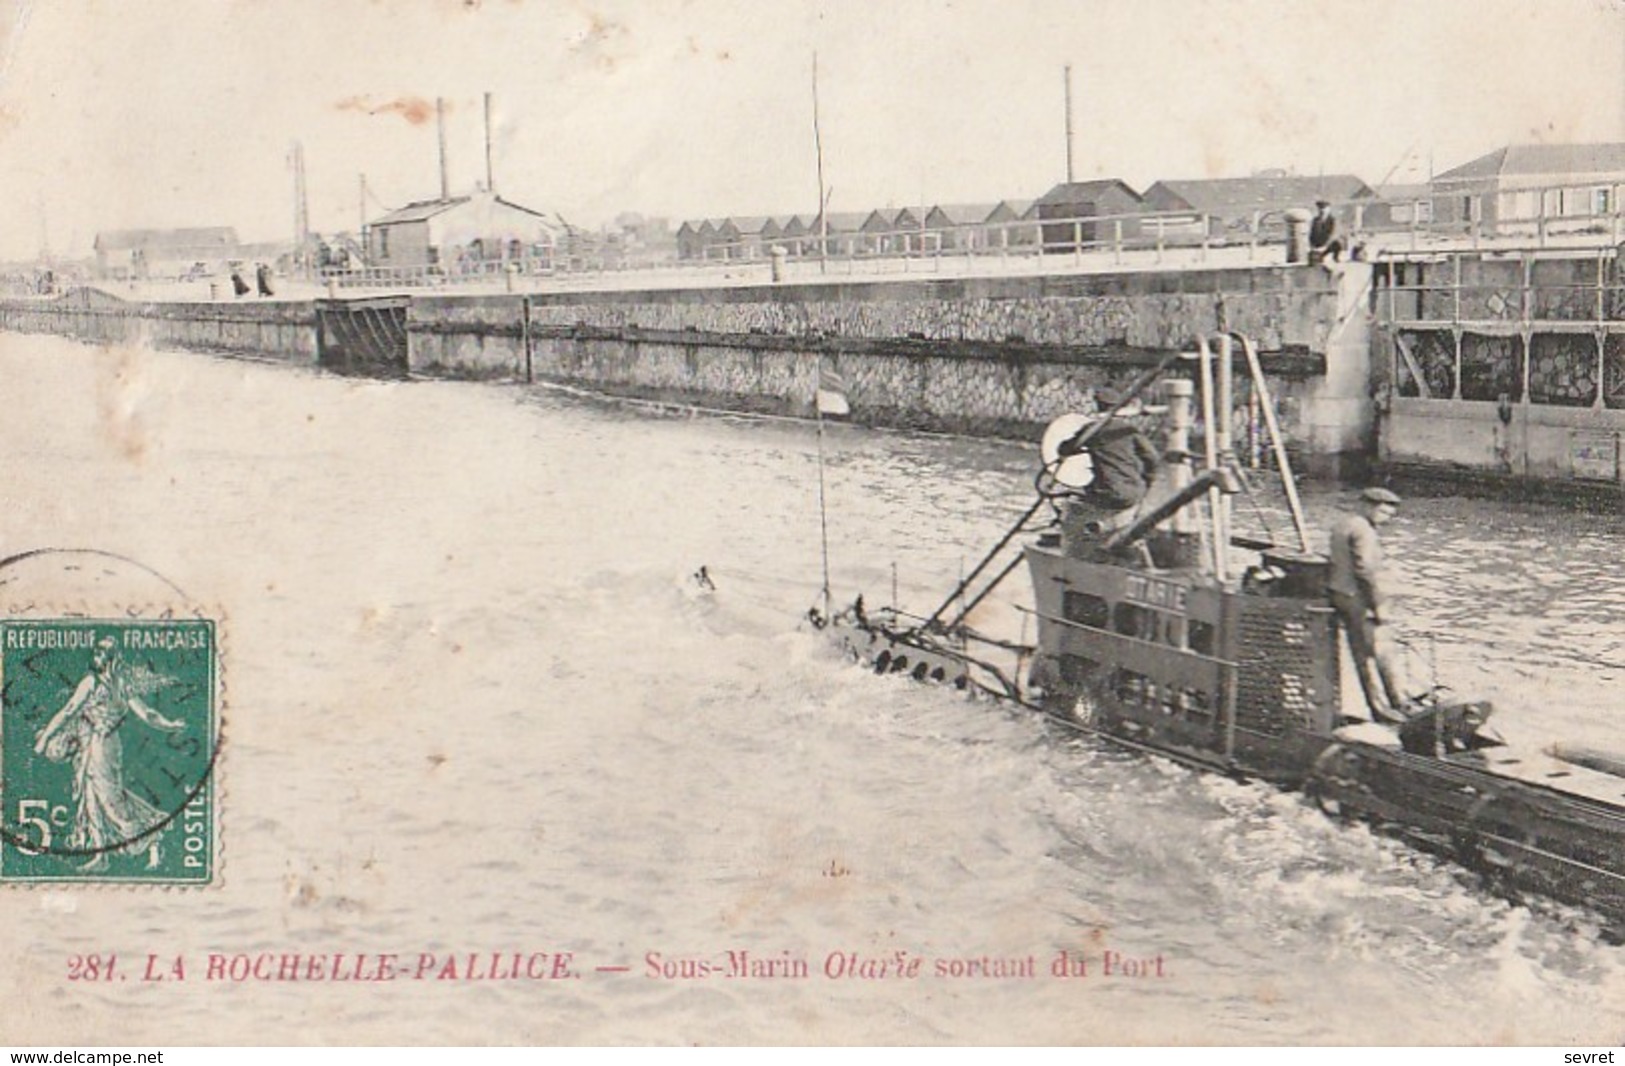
x=476, y=704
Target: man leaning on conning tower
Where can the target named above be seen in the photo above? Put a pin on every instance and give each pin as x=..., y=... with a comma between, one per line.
x=1125, y=464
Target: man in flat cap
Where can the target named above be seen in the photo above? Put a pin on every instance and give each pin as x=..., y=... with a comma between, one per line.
x=1125, y=461
x=1125, y=465
x=1361, y=604
x=1324, y=243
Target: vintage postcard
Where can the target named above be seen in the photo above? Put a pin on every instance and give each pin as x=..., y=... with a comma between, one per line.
x=808, y=522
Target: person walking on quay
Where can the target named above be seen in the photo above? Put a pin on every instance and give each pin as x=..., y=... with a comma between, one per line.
x=262, y=275
x=238, y=285
x=1360, y=602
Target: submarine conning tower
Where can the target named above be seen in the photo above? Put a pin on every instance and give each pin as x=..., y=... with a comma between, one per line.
x=1167, y=628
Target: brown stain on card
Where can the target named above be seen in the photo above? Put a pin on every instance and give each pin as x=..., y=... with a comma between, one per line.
x=117, y=419
x=597, y=44
x=791, y=882
x=600, y=30
x=414, y=109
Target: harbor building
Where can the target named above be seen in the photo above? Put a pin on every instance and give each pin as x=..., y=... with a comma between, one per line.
x=1250, y=207
x=460, y=234
x=150, y=254
x=1108, y=200
x=1526, y=189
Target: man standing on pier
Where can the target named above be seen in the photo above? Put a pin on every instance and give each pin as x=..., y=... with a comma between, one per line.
x=1358, y=597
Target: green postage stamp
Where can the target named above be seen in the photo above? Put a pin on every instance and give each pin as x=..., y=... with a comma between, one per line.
x=108, y=738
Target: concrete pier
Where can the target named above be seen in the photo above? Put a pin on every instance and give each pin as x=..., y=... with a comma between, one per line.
x=282, y=330
x=994, y=355
x=1503, y=368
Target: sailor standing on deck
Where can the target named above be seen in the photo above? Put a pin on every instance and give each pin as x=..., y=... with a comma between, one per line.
x=1361, y=605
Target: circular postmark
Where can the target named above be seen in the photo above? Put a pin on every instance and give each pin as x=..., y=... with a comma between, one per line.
x=109, y=723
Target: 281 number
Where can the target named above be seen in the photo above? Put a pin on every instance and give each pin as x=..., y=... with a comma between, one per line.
x=91, y=967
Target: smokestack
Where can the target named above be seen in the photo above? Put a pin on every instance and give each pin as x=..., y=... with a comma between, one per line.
x=1068, y=77
x=301, y=198
x=490, y=181
x=440, y=120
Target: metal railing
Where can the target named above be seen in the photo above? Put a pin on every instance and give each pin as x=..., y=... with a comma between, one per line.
x=1590, y=217
x=429, y=275
x=1572, y=213
x=1508, y=286
x=1527, y=325
x=1078, y=236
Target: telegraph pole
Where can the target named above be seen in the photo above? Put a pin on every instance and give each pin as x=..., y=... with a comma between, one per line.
x=823, y=200
x=490, y=180
x=1067, y=77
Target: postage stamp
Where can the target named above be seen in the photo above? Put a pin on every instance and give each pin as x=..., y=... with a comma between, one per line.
x=108, y=740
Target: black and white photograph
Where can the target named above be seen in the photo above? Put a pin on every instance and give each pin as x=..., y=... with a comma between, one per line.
x=808, y=523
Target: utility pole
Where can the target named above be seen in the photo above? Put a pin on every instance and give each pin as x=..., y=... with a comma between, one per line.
x=361, y=215
x=490, y=180
x=823, y=198
x=1067, y=76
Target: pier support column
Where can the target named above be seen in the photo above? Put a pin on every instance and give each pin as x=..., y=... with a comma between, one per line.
x=1337, y=417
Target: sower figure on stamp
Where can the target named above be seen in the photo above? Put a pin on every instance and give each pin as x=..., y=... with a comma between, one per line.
x=1358, y=596
x=107, y=815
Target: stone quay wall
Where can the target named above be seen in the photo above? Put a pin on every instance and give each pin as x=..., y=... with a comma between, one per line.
x=284, y=331
x=996, y=355
x=982, y=356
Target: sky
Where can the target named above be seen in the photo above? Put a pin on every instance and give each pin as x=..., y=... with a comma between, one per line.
x=135, y=113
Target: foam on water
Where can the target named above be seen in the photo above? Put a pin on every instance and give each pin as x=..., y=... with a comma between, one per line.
x=478, y=704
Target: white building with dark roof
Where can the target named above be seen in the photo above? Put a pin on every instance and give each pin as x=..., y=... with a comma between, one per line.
x=165, y=253
x=1522, y=186
x=459, y=233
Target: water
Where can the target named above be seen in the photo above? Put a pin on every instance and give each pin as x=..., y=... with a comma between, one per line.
x=475, y=704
